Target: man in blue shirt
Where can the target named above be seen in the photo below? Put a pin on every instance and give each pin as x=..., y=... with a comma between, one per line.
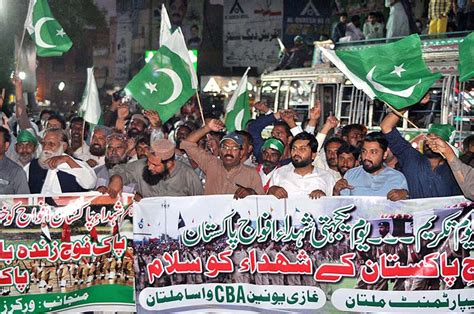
x=373, y=178
x=427, y=174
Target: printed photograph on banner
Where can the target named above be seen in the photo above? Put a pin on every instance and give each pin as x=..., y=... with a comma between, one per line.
x=189, y=16
x=59, y=252
x=299, y=254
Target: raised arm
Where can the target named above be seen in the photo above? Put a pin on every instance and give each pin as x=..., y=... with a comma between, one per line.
x=390, y=122
x=20, y=107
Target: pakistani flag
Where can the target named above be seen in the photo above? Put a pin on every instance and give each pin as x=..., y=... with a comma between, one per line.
x=48, y=35
x=90, y=108
x=394, y=73
x=466, y=58
x=238, y=109
x=167, y=81
x=165, y=26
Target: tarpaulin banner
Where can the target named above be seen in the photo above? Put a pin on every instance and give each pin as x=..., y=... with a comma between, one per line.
x=362, y=254
x=65, y=252
x=251, y=29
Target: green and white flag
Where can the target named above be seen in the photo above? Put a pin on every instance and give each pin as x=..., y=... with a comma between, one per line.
x=466, y=58
x=46, y=32
x=394, y=73
x=165, y=26
x=167, y=81
x=90, y=108
x=238, y=109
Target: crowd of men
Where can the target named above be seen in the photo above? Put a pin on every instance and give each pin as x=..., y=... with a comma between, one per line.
x=139, y=154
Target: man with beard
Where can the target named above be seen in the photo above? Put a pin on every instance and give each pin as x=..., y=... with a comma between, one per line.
x=79, y=130
x=354, y=134
x=272, y=150
x=301, y=177
x=427, y=174
x=98, y=146
x=12, y=177
x=181, y=133
x=54, y=172
x=330, y=148
x=137, y=126
x=115, y=154
x=347, y=158
x=25, y=149
x=142, y=147
x=373, y=178
x=159, y=175
x=227, y=174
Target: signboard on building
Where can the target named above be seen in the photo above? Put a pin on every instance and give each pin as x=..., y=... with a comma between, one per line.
x=309, y=19
x=251, y=29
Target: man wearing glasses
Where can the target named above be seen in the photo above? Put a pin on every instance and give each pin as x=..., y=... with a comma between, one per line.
x=224, y=174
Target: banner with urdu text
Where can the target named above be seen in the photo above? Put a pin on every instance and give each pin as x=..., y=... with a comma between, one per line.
x=362, y=254
x=65, y=252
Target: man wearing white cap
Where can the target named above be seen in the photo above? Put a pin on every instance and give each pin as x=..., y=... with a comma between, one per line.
x=157, y=175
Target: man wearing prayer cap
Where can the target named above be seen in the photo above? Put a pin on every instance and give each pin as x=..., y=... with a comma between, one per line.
x=427, y=173
x=25, y=149
x=160, y=174
x=272, y=150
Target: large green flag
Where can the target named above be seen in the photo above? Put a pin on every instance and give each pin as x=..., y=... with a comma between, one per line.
x=166, y=82
x=394, y=73
x=238, y=110
x=46, y=32
x=466, y=58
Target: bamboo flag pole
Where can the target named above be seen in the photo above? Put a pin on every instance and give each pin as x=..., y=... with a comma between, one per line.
x=398, y=113
x=200, y=107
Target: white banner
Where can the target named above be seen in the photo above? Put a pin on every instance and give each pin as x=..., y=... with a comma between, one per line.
x=251, y=29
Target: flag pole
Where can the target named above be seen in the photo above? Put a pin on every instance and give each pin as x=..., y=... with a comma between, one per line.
x=398, y=113
x=19, y=51
x=200, y=107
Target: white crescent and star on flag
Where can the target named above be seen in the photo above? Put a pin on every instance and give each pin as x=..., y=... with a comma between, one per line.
x=39, y=25
x=398, y=70
x=177, y=85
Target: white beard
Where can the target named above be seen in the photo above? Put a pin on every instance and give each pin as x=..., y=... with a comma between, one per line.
x=45, y=155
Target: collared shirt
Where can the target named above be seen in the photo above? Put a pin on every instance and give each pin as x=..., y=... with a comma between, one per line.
x=295, y=184
x=438, y=8
x=218, y=179
x=182, y=181
x=423, y=181
x=365, y=183
x=84, y=175
x=12, y=178
x=82, y=152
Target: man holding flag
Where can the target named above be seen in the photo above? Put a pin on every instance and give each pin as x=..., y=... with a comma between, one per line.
x=396, y=74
